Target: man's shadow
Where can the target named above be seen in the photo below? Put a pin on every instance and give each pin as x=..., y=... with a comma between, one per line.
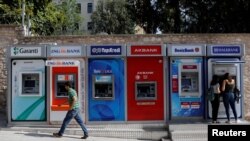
x=47, y=135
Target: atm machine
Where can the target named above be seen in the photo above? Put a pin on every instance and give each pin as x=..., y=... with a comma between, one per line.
x=145, y=79
x=226, y=58
x=106, y=85
x=27, y=98
x=65, y=63
x=186, y=64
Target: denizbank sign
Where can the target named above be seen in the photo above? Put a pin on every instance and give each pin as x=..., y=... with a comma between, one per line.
x=26, y=51
x=186, y=50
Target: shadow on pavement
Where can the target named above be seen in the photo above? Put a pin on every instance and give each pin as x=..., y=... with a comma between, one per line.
x=47, y=135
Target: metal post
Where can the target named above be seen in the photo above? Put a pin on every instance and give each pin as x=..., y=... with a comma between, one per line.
x=23, y=18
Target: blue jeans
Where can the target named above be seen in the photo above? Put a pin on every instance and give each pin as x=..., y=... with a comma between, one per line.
x=69, y=116
x=228, y=99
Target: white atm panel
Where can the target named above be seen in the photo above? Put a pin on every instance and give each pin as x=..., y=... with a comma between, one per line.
x=28, y=97
x=215, y=66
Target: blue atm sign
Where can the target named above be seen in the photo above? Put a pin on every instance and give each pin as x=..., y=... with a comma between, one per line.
x=106, y=50
x=226, y=50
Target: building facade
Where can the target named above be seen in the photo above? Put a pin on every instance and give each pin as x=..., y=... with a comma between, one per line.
x=86, y=9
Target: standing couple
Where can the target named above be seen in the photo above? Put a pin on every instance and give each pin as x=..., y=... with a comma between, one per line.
x=226, y=90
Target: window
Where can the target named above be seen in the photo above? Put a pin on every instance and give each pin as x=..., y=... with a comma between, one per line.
x=89, y=25
x=78, y=8
x=90, y=8
x=77, y=26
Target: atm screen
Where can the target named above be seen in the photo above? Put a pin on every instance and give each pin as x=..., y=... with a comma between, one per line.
x=30, y=83
x=186, y=84
x=186, y=81
x=61, y=79
x=103, y=91
x=189, y=83
x=145, y=90
x=103, y=87
x=61, y=91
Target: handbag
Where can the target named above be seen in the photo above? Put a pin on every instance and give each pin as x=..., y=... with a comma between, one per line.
x=237, y=94
x=210, y=93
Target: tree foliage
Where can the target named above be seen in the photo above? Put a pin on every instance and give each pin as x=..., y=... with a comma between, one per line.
x=169, y=15
x=49, y=21
x=111, y=17
x=47, y=18
x=217, y=16
x=121, y=16
x=57, y=19
x=192, y=16
x=11, y=10
x=144, y=14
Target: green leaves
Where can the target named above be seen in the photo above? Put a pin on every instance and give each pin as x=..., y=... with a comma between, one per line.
x=47, y=18
x=57, y=19
x=112, y=17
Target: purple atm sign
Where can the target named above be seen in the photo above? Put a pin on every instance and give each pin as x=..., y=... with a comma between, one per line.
x=106, y=50
x=226, y=50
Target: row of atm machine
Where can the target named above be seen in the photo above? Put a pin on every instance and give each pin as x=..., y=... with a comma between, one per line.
x=119, y=83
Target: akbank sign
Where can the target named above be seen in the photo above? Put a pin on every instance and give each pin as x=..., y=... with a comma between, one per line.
x=105, y=50
x=26, y=51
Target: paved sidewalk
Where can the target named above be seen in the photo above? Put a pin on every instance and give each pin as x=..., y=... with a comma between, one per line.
x=27, y=136
x=6, y=134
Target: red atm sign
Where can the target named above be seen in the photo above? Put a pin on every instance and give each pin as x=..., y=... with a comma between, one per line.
x=146, y=50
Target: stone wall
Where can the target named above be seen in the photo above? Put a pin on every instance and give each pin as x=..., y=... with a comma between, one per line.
x=13, y=36
x=9, y=34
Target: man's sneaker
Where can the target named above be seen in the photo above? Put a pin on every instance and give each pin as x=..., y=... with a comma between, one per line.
x=57, y=135
x=85, y=137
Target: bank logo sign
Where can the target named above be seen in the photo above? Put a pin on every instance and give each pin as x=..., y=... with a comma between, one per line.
x=188, y=50
x=26, y=51
x=105, y=50
x=226, y=49
x=66, y=51
x=62, y=63
x=146, y=50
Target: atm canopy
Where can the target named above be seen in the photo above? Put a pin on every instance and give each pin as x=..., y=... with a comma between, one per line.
x=232, y=50
x=65, y=51
x=109, y=50
x=27, y=51
x=145, y=50
x=185, y=50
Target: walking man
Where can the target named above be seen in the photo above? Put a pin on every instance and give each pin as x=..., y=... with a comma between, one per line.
x=73, y=112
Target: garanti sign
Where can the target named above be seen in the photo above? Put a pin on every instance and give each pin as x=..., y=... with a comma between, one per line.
x=25, y=51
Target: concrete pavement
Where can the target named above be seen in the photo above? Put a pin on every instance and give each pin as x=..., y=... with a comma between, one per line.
x=30, y=136
x=109, y=132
